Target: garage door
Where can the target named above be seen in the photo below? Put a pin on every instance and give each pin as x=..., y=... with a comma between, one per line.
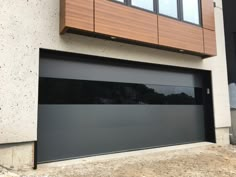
x=90, y=107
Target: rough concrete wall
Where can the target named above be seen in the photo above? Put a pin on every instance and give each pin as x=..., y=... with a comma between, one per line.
x=17, y=155
x=222, y=136
x=27, y=25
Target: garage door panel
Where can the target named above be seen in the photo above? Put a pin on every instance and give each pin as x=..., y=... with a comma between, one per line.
x=89, y=107
x=69, y=131
x=80, y=69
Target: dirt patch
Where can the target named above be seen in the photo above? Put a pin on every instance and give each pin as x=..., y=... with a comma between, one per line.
x=207, y=161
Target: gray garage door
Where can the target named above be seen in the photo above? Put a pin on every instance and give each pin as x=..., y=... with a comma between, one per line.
x=92, y=107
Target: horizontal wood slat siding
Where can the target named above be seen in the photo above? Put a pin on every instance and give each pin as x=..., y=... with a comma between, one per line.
x=180, y=35
x=118, y=20
x=80, y=14
x=208, y=17
x=106, y=18
x=210, y=42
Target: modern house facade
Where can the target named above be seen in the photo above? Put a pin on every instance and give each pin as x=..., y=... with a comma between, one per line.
x=83, y=78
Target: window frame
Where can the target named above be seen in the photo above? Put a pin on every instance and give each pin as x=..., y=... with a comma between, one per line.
x=157, y=11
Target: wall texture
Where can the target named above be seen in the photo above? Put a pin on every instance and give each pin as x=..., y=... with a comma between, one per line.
x=28, y=25
x=17, y=155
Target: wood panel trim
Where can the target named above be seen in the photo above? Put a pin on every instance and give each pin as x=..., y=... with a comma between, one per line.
x=183, y=36
x=208, y=16
x=106, y=18
x=80, y=14
x=210, y=42
x=121, y=21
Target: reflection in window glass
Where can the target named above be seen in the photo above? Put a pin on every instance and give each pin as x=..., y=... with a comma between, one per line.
x=169, y=8
x=191, y=11
x=68, y=91
x=145, y=4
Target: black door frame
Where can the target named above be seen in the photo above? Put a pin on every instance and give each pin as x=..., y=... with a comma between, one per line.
x=209, y=109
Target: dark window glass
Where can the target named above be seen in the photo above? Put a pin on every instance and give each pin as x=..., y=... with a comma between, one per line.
x=67, y=91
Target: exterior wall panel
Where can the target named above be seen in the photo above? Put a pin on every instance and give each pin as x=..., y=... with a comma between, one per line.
x=208, y=18
x=209, y=42
x=104, y=18
x=125, y=22
x=78, y=14
x=180, y=35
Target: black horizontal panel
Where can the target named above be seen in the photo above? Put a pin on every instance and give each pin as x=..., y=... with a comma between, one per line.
x=69, y=91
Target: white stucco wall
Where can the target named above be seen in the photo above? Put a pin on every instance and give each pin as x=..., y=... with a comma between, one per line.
x=28, y=25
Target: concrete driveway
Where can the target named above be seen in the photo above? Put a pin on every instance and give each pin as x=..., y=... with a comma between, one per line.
x=195, y=160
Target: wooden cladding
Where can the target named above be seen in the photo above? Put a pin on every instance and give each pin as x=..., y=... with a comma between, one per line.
x=208, y=18
x=210, y=42
x=106, y=18
x=78, y=14
x=118, y=20
x=208, y=23
x=173, y=33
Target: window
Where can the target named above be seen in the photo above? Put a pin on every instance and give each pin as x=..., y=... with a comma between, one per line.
x=169, y=8
x=144, y=4
x=191, y=11
x=183, y=10
x=69, y=91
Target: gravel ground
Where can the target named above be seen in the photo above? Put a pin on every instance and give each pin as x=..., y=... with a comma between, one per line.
x=207, y=161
